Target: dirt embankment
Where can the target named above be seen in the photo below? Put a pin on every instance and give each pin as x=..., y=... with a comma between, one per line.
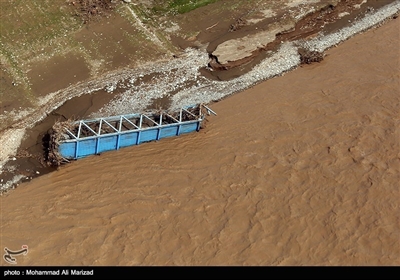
x=303, y=22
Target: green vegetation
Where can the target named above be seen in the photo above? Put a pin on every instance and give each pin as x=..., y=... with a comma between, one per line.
x=180, y=6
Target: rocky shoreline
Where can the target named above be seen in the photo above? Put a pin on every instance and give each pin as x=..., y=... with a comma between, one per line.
x=179, y=78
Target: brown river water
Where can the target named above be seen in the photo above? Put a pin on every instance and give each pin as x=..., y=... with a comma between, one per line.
x=301, y=169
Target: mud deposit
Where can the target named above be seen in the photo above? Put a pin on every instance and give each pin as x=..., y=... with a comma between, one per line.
x=30, y=161
x=301, y=169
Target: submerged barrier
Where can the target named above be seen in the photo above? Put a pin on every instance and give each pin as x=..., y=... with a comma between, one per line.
x=74, y=140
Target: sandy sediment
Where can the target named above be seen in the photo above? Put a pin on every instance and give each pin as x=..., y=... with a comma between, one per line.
x=236, y=49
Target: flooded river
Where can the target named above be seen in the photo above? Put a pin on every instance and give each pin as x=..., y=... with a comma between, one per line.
x=301, y=169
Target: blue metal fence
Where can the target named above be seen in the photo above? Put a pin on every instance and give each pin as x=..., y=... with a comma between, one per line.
x=90, y=137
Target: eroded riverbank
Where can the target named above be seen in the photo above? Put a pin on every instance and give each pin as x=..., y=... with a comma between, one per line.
x=178, y=82
x=298, y=170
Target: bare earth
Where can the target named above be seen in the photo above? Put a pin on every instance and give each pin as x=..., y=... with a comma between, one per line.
x=299, y=170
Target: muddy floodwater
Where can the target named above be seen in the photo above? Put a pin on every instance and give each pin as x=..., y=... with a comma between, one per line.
x=301, y=169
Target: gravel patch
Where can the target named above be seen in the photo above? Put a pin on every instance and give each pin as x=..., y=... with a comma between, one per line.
x=286, y=58
x=374, y=18
x=10, y=141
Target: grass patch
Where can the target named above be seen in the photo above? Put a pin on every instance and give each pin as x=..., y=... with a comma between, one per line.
x=179, y=6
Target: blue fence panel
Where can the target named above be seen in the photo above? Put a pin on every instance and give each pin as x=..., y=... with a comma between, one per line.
x=169, y=131
x=189, y=127
x=128, y=139
x=67, y=149
x=148, y=135
x=108, y=143
x=86, y=147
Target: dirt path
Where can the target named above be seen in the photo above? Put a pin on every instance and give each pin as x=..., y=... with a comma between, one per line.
x=299, y=170
x=150, y=33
